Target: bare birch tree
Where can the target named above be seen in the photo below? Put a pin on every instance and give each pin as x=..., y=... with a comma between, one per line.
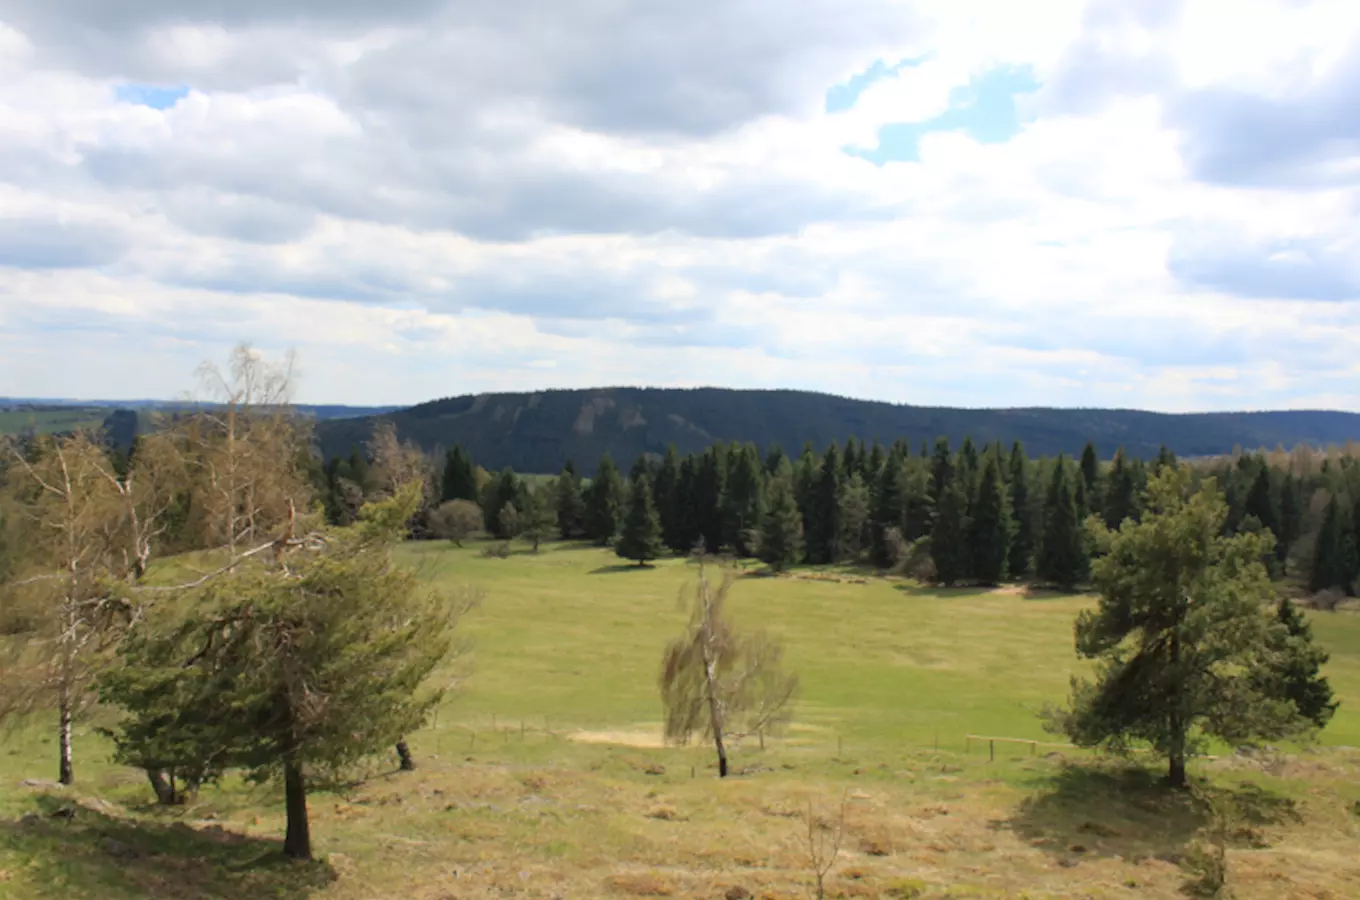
x=717, y=682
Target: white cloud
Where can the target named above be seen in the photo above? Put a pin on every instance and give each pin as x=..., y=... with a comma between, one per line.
x=428, y=198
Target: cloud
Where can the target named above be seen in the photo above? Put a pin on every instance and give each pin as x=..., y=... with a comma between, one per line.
x=981, y=203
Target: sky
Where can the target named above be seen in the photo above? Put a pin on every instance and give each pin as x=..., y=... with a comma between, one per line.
x=1143, y=204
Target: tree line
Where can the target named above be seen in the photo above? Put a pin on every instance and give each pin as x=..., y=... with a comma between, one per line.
x=966, y=515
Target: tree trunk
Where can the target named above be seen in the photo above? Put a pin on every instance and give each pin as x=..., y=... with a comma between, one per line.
x=66, y=773
x=404, y=754
x=1176, y=770
x=722, y=754
x=165, y=792
x=297, y=843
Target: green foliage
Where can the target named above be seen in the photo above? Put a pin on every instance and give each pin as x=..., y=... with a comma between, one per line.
x=1021, y=552
x=1090, y=480
x=1335, y=561
x=781, y=529
x=665, y=494
x=571, y=505
x=852, y=518
x=949, y=535
x=460, y=477
x=742, y=499
x=1062, y=560
x=1298, y=674
x=640, y=539
x=455, y=520
x=1185, y=648
x=538, y=519
x=298, y=674
x=604, y=502
x=990, y=528
x=822, y=522
x=889, y=507
x=1121, y=493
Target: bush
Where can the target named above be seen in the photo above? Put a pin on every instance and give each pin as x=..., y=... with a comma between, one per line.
x=455, y=520
x=500, y=550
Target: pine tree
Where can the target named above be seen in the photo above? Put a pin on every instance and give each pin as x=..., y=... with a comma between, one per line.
x=990, y=529
x=1022, y=536
x=505, y=490
x=949, y=535
x=460, y=482
x=664, y=496
x=781, y=528
x=774, y=460
x=1062, y=560
x=571, y=505
x=538, y=519
x=1299, y=675
x=850, y=459
x=640, y=539
x=918, y=511
x=1121, y=495
x=1165, y=460
x=805, y=485
x=1181, y=634
x=823, y=526
x=966, y=470
x=604, y=502
x=873, y=463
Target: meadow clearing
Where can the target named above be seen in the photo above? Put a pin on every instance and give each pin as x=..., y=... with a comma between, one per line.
x=543, y=774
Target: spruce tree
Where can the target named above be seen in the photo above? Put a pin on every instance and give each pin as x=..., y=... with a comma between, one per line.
x=1334, y=556
x=941, y=470
x=742, y=500
x=1021, y=552
x=990, y=529
x=966, y=470
x=1260, y=503
x=888, y=508
x=640, y=539
x=1299, y=677
x=805, y=485
x=781, y=528
x=460, y=480
x=823, y=525
x=571, y=505
x=918, y=511
x=664, y=496
x=852, y=518
x=1121, y=493
x=1183, y=641
x=1062, y=559
x=1290, y=516
x=1165, y=460
x=709, y=489
x=686, y=511
x=774, y=460
x=873, y=464
x=1090, y=480
x=604, y=502
x=949, y=535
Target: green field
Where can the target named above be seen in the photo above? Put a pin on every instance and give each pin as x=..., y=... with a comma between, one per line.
x=543, y=775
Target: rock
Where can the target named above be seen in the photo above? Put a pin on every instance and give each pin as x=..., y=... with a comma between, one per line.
x=736, y=892
x=39, y=784
x=28, y=820
x=117, y=849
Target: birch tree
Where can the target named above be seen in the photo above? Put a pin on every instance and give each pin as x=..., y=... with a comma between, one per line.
x=720, y=683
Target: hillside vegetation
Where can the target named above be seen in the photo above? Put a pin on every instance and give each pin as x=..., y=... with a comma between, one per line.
x=539, y=432
x=544, y=776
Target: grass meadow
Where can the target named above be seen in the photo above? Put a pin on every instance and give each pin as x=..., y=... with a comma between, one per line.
x=543, y=774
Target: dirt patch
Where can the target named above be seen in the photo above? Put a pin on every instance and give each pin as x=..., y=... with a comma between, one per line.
x=636, y=738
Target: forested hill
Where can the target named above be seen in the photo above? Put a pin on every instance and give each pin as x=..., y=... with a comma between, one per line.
x=537, y=432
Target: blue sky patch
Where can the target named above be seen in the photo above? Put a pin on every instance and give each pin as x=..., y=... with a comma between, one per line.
x=985, y=110
x=152, y=95
x=841, y=97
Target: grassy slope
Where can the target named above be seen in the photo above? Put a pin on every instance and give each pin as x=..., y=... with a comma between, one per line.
x=572, y=636
x=49, y=421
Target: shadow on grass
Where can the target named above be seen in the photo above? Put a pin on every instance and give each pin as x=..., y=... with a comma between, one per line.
x=621, y=567
x=1126, y=811
x=939, y=592
x=70, y=850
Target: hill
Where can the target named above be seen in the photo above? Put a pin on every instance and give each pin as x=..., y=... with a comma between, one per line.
x=538, y=432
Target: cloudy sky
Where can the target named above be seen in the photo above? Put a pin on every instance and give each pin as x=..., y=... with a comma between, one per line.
x=1146, y=203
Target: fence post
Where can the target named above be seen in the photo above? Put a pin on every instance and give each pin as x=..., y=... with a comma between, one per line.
x=991, y=746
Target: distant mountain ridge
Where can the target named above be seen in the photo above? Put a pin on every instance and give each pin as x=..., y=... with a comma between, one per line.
x=539, y=431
